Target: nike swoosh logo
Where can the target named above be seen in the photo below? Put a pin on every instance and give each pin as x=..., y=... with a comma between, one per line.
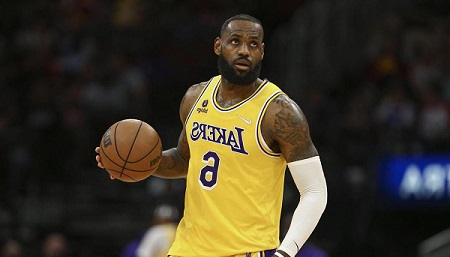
x=249, y=122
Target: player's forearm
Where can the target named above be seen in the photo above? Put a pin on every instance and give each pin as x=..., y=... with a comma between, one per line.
x=172, y=165
x=310, y=181
x=305, y=219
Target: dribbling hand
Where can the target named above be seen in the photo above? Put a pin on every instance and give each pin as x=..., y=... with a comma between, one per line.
x=99, y=160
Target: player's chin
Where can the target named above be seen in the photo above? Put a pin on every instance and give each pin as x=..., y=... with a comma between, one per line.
x=241, y=73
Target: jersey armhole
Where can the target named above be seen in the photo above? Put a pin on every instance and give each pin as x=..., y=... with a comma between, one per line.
x=259, y=137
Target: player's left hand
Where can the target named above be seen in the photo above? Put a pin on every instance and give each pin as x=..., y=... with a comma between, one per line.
x=99, y=161
x=98, y=158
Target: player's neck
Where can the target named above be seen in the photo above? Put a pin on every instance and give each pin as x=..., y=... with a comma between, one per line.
x=230, y=94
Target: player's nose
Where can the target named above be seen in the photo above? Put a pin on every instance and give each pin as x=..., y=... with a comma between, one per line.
x=243, y=50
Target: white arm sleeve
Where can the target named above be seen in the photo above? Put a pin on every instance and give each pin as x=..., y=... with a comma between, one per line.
x=310, y=181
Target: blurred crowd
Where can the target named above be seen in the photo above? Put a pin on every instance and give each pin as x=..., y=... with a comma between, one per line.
x=69, y=69
x=408, y=74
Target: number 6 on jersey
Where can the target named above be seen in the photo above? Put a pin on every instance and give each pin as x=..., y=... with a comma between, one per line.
x=209, y=173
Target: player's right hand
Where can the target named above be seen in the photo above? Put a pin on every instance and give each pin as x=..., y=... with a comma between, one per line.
x=98, y=159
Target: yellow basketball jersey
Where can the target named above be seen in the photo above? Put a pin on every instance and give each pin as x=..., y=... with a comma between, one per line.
x=235, y=182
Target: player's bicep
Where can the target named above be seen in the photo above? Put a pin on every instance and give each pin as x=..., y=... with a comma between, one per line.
x=183, y=146
x=289, y=128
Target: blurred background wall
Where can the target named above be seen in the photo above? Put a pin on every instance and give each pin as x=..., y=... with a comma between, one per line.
x=373, y=78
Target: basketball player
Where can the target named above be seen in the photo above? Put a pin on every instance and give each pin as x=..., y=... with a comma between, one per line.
x=239, y=134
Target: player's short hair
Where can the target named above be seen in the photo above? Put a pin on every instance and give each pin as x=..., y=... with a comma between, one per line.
x=240, y=17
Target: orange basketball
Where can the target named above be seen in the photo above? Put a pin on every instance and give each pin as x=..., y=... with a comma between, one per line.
x=130, y=150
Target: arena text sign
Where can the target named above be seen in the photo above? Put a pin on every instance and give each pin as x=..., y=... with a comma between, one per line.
x=415, y=180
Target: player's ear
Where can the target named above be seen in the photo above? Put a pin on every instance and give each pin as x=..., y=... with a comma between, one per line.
x=217, y=46
x=262, y=50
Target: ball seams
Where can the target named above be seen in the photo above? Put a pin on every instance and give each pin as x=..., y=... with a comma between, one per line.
x=140, y=141
x=131, y=147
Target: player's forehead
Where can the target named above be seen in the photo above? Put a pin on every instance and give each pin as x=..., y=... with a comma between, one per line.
x=243, y=28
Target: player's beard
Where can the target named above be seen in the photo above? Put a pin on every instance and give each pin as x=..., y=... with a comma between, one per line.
x=230, y=74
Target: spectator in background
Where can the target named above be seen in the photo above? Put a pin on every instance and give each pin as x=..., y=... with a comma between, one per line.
x=434, y=120
x=55, y=245
x=157, y=239
x=12, y=248
x=395, y=117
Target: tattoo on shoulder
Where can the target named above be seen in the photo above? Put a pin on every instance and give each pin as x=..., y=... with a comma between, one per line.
x=290, y=126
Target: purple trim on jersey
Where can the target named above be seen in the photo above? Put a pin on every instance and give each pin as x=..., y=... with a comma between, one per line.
x=258, y=128
x=216, y=89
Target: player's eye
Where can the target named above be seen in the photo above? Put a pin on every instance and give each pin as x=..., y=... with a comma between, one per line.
x=234, y=41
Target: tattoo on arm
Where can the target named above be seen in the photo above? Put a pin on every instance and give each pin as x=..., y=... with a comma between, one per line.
x=173, y=166
x=174, y=162
x=287, y=127
x=291, y=129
